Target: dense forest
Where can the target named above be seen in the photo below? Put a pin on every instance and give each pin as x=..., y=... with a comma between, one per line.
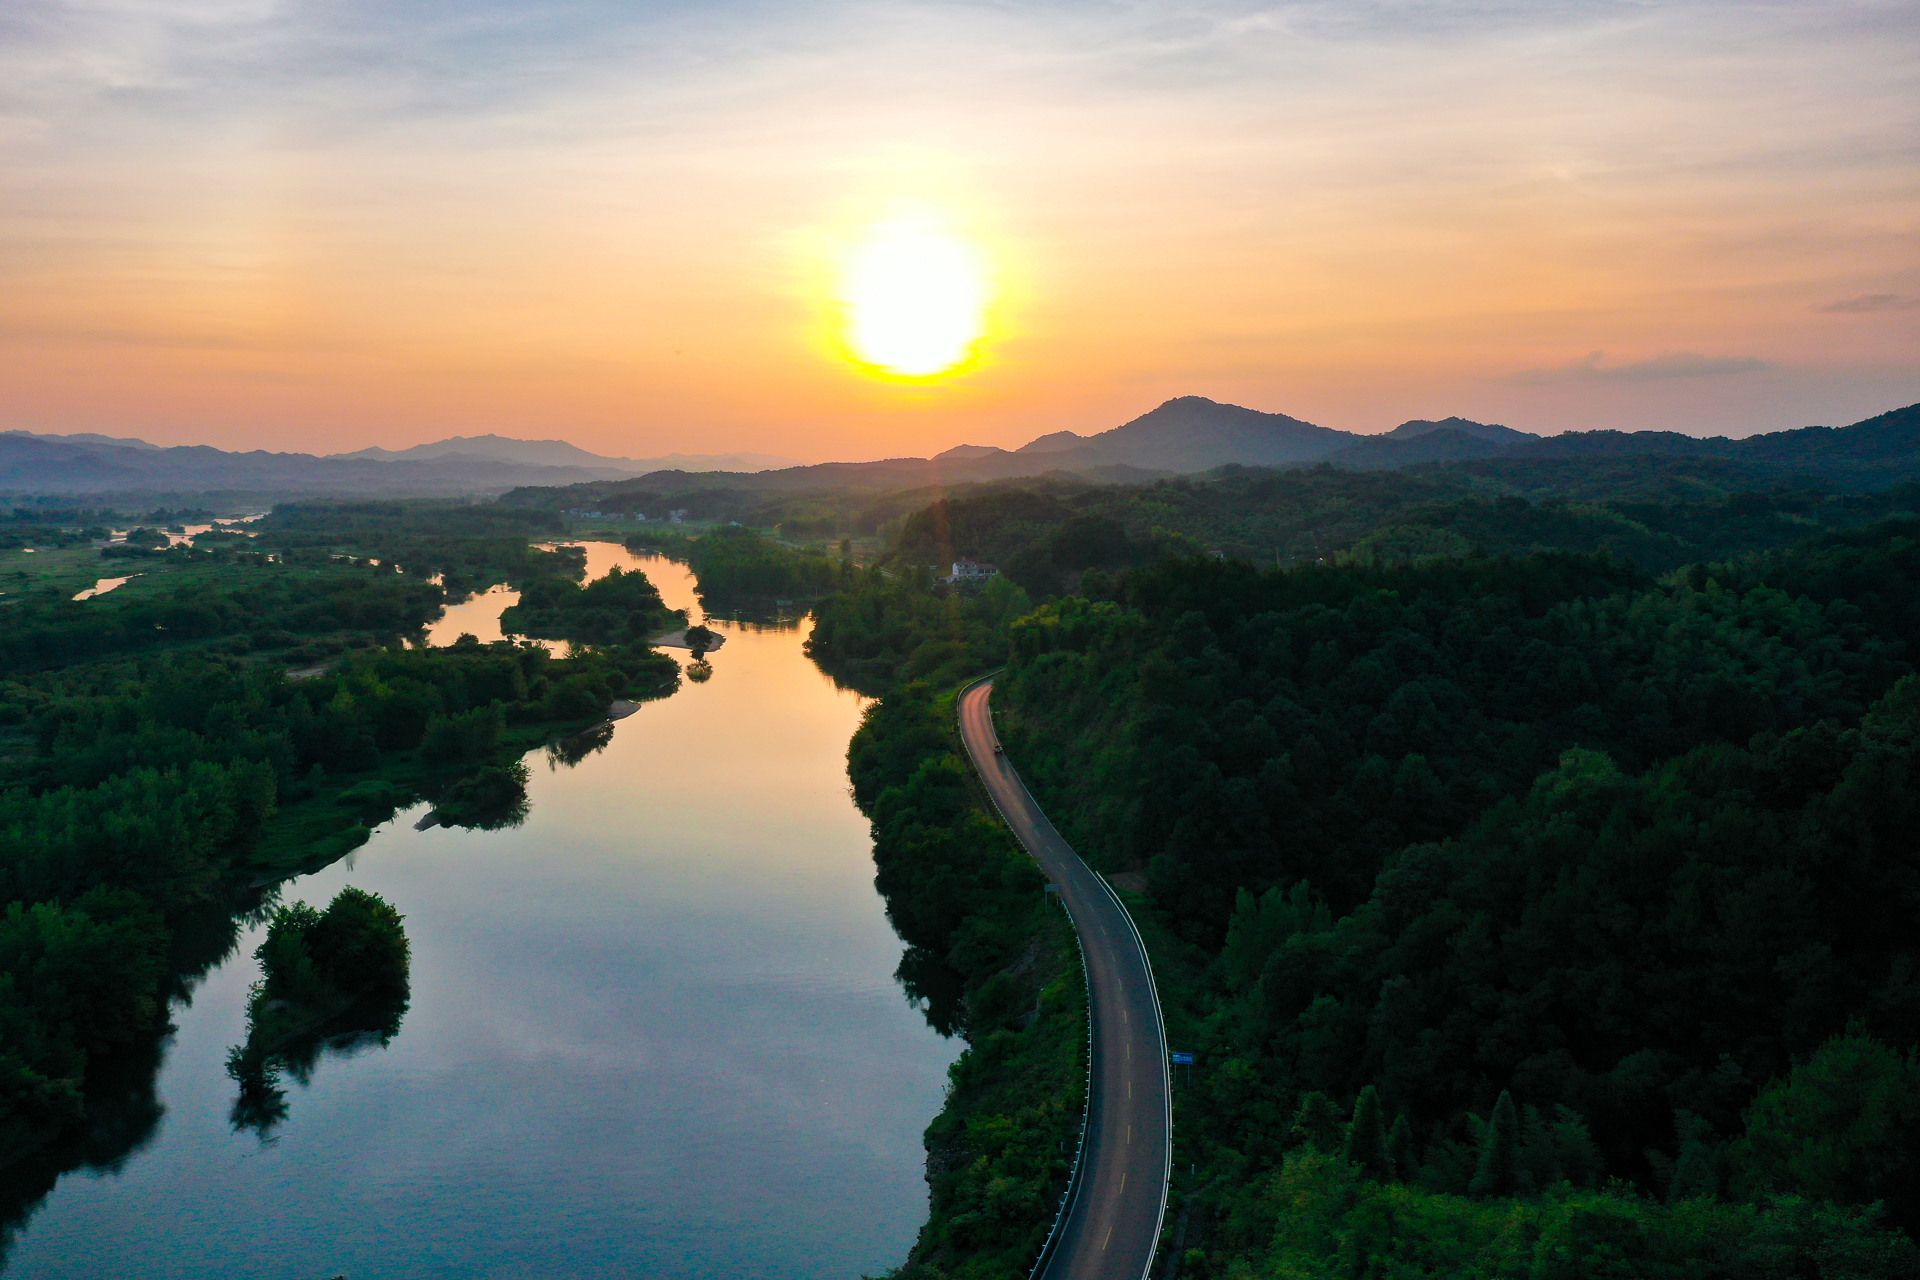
x=735, y=561
x=618, y=606
x=1045, y=536
x=1525, y=910
x=1629, y=853
x=164, y=761
x=467, y=547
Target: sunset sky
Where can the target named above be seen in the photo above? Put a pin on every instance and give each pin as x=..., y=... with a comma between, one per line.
x=638, y=226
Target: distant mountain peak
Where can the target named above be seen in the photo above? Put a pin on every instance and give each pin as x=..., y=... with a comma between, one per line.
x=87, y=437
x=1053, y=442
x=1193, y=433
x=969, y=451
x=560, y=453
x=1492, y=431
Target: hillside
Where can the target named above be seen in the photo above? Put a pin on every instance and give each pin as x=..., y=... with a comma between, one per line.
x=92, y=464
x=1192, y=434
x=1183, y=436
x=559, y=453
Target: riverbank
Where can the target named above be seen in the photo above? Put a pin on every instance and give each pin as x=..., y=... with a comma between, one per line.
x=653, y=1030
x=990, y=958
x=329, y=816
x=678, y=640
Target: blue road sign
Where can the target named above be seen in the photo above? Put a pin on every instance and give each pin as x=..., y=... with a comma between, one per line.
x=1182, y=1059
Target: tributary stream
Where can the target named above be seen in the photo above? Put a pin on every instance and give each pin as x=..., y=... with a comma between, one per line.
x=654, y=1032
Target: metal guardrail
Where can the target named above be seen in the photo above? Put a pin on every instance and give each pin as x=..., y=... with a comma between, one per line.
x=1071, y=1194
x=1166, y=1097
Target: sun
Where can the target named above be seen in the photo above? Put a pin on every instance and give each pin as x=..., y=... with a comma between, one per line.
x=915, y=299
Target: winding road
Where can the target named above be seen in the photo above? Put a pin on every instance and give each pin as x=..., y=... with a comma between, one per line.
x=1112, y=1221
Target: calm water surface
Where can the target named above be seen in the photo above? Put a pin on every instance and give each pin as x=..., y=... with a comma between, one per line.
x=653, y=1032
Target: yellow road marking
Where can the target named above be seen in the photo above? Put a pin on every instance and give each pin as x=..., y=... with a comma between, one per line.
x=1109, y=1239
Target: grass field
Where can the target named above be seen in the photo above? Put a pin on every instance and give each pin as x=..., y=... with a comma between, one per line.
x=69, y=569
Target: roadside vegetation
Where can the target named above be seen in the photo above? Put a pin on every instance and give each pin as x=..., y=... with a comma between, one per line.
x=1530, y=914
x=989, y=958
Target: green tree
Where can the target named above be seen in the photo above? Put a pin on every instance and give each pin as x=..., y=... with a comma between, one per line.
x=1318, y=1123
x=1367, y=1137
x=1400, y=1150
x=360, y=944
x=1498, y=1173
x=1844, y=1126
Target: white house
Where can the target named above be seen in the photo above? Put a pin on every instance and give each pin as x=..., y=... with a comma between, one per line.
x=970, y=571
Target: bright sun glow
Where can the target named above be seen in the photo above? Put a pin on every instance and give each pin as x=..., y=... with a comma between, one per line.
x=915, y=297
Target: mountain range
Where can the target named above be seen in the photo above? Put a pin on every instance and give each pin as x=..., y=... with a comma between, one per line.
x=1193, y=434
x=1182, y=436
x=91, y=463
x=558, y=453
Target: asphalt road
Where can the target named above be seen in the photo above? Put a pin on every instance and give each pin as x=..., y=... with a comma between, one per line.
x=1113, y=1221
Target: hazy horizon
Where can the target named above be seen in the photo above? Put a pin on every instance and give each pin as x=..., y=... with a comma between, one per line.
x=276, y=224
x=771, y=461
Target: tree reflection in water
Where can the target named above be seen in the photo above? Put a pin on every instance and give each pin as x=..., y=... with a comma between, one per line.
x=574, y=748
x=332, y=983
x=260, y=1065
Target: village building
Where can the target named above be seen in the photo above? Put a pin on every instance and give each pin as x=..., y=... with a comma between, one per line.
x=969, y=571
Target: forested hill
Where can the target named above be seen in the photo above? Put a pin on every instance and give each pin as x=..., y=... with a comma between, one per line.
x=1526, y=914
x=1191, y=435
x=1046, y=536
x=1632, y=853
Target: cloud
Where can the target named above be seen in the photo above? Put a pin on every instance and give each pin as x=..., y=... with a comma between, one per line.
x=1666, y=365
x=1873, y=302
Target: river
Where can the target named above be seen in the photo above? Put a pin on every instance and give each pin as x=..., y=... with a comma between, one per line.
x=653, y=1032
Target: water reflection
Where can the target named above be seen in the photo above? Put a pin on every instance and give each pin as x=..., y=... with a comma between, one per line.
x=754, y=614
x=653, y=1031
x=571, y=750
x=491, y=798
x=332, y=982
x=103, y=585
x=477, y=616
x=260, y=1064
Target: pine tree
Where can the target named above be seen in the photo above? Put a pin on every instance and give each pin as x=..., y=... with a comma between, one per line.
x=1318, y=1122
x=1400, y=1150
x=1499, y=1172
x=1367, y=1137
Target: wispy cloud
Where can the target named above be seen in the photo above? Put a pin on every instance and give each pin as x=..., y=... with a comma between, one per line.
x=477, y=213
x=1873, y=302
x=1668, y=364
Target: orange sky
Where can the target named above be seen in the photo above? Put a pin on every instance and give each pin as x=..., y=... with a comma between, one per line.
x=263, y=224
